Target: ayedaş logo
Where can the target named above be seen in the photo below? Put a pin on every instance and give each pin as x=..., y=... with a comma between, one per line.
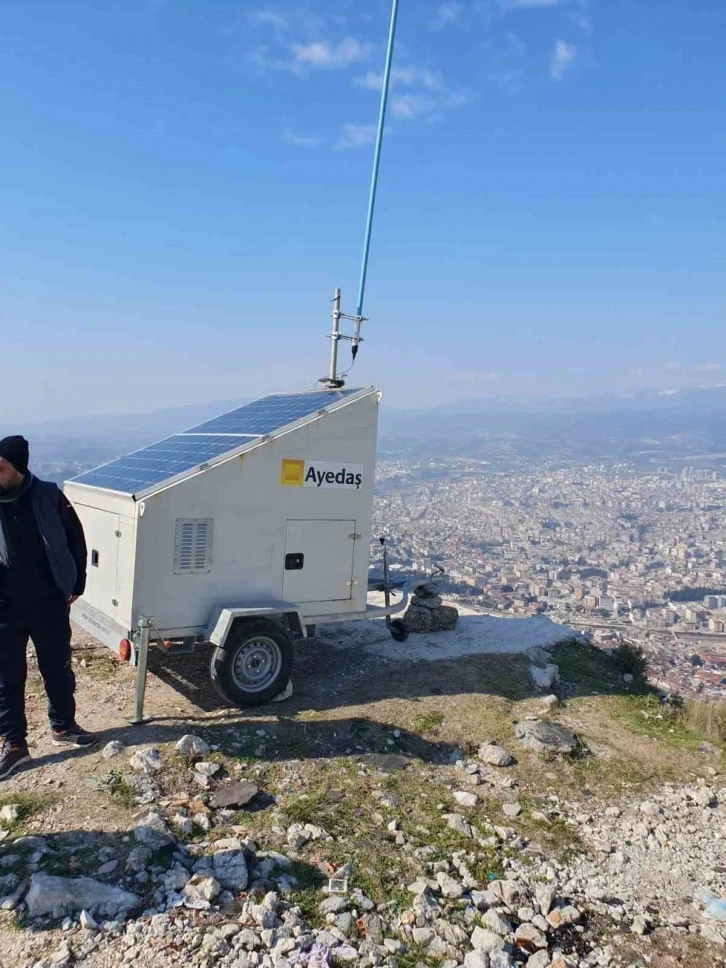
x=321, y=474
x=342, y=478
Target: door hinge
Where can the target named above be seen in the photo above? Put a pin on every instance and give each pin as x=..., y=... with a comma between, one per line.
x=351, y=584
x=118, y=534
x=114, y=603
x=355, y=536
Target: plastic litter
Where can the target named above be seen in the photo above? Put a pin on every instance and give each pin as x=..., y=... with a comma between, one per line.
x=337, y=885
x=715, y=906
x=716, y=909
x=317, y=957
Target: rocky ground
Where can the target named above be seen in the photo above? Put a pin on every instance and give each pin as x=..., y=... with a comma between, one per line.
x=496, y=811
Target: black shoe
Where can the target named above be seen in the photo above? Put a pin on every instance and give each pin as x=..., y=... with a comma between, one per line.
x=11, y=758
x=75, y=736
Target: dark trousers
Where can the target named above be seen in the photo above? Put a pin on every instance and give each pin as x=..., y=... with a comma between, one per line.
x=48, y=626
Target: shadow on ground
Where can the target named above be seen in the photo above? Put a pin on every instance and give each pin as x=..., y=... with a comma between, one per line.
x=328, y=677
x=287, y=738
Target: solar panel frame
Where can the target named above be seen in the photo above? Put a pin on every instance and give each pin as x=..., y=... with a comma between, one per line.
x=220, y=446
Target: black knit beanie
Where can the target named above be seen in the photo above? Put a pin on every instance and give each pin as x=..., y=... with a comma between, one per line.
x=15, y=451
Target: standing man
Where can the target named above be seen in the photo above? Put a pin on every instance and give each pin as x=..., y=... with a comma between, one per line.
x=42, y=572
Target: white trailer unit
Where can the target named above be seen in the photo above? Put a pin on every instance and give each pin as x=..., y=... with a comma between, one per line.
x=242, y=532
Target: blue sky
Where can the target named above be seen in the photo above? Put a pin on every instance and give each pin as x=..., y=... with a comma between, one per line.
x=184, y=182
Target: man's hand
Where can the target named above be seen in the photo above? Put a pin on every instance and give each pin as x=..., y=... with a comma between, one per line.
x=72, y=599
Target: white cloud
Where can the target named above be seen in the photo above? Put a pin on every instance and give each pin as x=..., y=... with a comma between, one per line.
x=706, y=367
x=582, y=21
x=268, y=18
x=426, y=94
x=327, y=56
x=301, y=140
x=562, y=57
x=404, y=77
x=410, y=106
x=356, y=136
x=447, y=13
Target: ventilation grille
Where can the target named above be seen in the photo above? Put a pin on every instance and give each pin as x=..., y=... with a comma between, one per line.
x=193, y=546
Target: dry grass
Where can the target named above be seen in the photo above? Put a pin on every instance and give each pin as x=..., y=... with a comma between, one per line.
x=708, y=719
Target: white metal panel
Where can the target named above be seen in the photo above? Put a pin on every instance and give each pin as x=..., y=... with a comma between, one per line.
x=125, y=570
x=250, y=507
x=98, y=498
x=102, y=529
x=328, y=550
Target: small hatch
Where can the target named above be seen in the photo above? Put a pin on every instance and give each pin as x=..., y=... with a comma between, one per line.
x=193, y=546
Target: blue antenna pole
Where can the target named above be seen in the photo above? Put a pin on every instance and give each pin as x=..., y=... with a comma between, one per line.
x=376, y=166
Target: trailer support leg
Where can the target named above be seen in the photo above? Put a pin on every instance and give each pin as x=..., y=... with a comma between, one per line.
x=142, y=659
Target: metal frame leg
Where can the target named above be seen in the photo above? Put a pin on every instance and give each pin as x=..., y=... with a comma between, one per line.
x=142, y=660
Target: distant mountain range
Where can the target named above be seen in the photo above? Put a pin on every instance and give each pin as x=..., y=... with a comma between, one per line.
x=652, y=425
x=648, y=425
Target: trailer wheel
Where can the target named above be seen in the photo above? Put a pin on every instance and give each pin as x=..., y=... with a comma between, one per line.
x=254, y=664
x=399, y=630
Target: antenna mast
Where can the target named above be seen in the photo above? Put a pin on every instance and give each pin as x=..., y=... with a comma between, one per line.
x=334, y=379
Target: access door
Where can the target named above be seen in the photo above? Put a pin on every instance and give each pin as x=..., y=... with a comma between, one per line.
x=102, y=530
x=319, y=561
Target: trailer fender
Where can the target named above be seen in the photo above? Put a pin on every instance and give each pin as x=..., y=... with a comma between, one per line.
x=225, y=617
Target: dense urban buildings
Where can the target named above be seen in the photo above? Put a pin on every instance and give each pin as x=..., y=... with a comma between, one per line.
x=612, y=550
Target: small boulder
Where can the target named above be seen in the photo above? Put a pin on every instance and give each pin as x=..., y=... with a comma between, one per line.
x=87, y=922
x=67, y=895
x=528, y=936
x=448, y=885
x=466, y=799
x=544, y=677
x=230, y=869
x=138, y=859
x=190, y=745
x=494, y=755
x=153, y=832
x=544, y=737
x=486, y=941
x=457, y=823
x=476, y=959
x=238, y=793
x=333, y=905
x=113, y=749
x=200, y=891
x=183, y=824
x=10, y=813
x=207, y=769
x=496, y=923
x=146, y=761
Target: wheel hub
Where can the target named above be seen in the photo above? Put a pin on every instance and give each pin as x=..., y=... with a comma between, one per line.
x=257, y=664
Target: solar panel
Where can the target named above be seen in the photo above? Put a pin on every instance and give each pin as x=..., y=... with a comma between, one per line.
x=168, y=458
x=263, y=416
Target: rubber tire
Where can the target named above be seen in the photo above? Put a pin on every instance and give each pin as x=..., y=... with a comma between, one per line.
x=399, y=630
x=222, y=662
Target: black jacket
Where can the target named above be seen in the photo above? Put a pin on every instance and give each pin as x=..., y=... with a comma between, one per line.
x=29, y=578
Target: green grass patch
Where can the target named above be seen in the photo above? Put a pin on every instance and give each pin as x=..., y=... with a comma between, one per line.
x=647, y=716
x=27, y=804
x=427, y=724
x=589, y=669
x=308, y=891
x=120, y=790
x=415, y=956
x=631, y=659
